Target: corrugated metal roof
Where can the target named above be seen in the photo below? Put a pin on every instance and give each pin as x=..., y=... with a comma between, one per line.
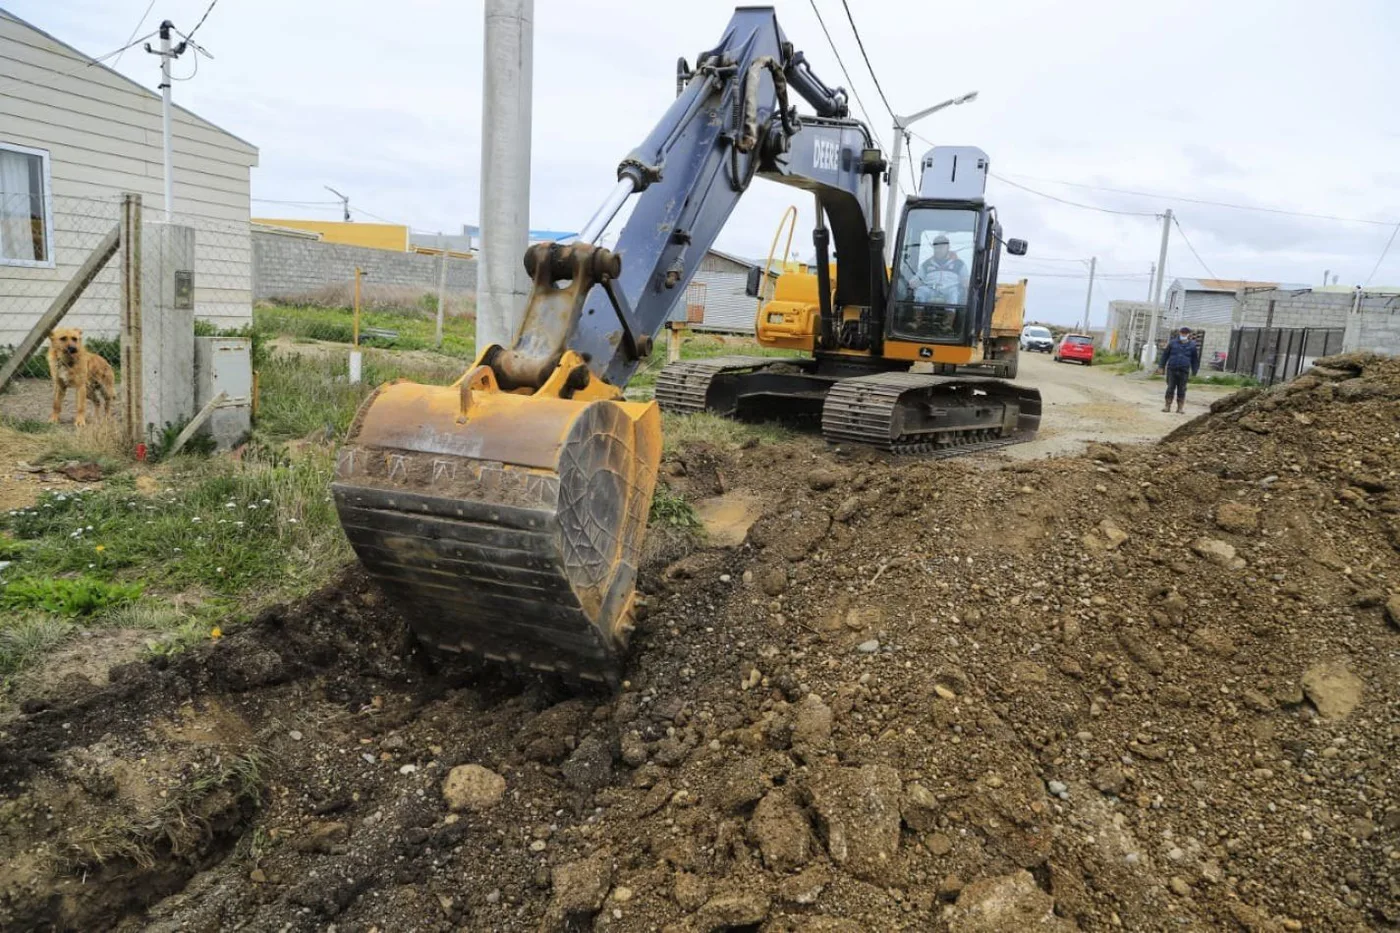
x=1221, y=285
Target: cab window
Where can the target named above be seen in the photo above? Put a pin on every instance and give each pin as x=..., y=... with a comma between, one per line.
x=932, y=279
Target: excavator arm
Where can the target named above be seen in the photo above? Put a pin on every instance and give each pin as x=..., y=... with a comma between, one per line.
x=732, y=120
x=504, y=514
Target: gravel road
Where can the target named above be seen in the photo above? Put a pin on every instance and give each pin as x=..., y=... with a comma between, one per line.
x=1088, y=403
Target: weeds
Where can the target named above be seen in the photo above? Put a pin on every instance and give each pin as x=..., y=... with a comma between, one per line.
x=703, y=427
x=25, y=638
x=181, y=823
x=26, y=425
x=302, y=394
x=1110, y=358
x=667, y=508
x=67, y=596
x=414, y=328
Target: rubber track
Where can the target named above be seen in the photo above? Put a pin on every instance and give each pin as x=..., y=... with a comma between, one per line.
x=681, y=388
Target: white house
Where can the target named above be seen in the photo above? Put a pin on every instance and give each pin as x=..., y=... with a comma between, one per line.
x=75, y=135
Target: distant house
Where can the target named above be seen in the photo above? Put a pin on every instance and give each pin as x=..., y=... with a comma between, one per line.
x=1208, y=305
x=75, y=135
x=716, y=297
x=375, y=236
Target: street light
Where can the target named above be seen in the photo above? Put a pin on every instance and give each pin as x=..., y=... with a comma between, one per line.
x=900, y=125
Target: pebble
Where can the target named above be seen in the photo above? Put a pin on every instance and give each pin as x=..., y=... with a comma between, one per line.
x=622, y=894
x=408, y=769
x=539, y=845
x=294, y=735
x=1179, y=886
x=869, y=647
x=725, y=578
x=1059, y=789
x=494, y=897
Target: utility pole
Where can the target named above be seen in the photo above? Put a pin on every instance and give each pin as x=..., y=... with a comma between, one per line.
x=167, y=54
x=344, y=202
x=1089, y=298
x=1151, y=339
x=1326, y=273
x=1151, y=277
x=901, y=125
x=502, y=286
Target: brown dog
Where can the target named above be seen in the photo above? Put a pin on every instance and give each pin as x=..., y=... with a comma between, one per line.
x=73, y=367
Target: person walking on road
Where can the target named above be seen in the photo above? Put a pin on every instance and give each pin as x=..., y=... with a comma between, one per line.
x=1181, y=359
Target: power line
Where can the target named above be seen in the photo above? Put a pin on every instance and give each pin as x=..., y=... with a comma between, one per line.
x=868, y=67
x=1187, y=240
x=1089, y=207
x=207, y=11
x=130, y=40
x=1188, y=200
x=854, y=93
x=1377, y=266
x=383, y=220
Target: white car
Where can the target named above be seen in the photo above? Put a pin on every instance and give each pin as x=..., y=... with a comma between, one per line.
x=1034, y=337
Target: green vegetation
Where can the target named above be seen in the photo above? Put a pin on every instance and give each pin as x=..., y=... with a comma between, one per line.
x=679, y=430
x=415, y=330
x=667, y=508
x=69, y=596
x=228, y=535
x=1110, y=358
x=306, y=392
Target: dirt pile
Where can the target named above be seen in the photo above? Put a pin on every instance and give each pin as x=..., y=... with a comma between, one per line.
x=1148, y=689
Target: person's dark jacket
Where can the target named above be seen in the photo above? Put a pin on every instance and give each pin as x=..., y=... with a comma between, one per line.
x=1181, y=354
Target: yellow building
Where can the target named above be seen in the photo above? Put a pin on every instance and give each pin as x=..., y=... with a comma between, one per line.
x=392, y=237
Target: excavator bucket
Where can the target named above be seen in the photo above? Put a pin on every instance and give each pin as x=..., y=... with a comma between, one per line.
x=504, y=524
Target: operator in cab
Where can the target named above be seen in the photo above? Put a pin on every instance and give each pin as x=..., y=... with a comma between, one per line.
x=943, y=276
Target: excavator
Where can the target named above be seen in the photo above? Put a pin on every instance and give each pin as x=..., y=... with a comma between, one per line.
x=504, y=514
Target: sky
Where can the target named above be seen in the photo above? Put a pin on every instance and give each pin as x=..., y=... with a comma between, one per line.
x=1262, y=103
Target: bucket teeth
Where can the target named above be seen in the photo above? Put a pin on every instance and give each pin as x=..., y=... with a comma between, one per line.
x=531, y=564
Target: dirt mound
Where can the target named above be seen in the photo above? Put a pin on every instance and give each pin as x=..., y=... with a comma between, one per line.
x=1151, y=689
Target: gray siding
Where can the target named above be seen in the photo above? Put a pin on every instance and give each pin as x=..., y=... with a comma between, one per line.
x=727, y=308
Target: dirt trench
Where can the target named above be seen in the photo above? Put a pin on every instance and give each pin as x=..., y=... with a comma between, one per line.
x=1151, y=688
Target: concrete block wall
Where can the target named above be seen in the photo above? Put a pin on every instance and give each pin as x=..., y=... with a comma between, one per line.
x=1308, y=309
x=291, y=265
x=1376, y=326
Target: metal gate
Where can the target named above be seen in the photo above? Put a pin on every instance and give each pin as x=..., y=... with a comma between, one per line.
x=1277, y=354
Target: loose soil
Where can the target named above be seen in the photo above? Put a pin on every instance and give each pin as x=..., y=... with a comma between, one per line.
x=1152, y=688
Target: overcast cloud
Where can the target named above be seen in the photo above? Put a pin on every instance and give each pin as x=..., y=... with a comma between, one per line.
x=1279, y=104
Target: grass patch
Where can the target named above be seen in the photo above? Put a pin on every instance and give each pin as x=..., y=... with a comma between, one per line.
x=667, y=508
x=26, y=425
x=27, y=637
x=67, y=596
x=301, y=394
x=703, y=427
x=415, y=329
x=1110, y=358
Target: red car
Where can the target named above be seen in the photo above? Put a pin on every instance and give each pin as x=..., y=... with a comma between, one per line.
x=1076, y=347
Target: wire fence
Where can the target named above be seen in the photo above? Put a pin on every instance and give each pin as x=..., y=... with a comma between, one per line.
x=41, y=250
x=44, y=241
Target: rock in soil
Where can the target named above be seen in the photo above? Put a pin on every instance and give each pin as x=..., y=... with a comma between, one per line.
x=472, y=787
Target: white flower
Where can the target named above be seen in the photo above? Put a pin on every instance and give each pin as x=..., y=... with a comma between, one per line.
x=230, y=505
x=195, y=519
x=267, y=502
x=218, y=570
x=89, y=528
x=252, y=506
x=292, y=521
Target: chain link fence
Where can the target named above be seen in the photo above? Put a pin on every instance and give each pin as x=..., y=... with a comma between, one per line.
x=40, y=252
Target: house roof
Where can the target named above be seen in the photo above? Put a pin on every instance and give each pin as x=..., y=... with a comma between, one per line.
x=1223, y=285
x=112, y=71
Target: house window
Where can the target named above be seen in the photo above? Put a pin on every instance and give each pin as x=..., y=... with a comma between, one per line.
x=26, y=219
